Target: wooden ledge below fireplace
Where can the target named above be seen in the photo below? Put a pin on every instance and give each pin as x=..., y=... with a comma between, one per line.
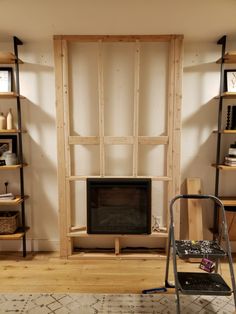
x=117, y=251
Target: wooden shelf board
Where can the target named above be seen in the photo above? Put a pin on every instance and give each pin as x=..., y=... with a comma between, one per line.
x=9, y=131
x=225, y=131
x=84, y=234
x=16, y=201
x=8, y=58
x=10, y=95
x=229, y=95
x=228, y=200
x=20, y=232
x=12, y=167
x=224, y=167
x=229, y=57
x=84, y=177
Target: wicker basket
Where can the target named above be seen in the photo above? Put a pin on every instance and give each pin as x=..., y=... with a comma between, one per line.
x=8, y=221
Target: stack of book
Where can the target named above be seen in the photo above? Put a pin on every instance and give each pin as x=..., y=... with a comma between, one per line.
x=230, y=161
x=6, y=197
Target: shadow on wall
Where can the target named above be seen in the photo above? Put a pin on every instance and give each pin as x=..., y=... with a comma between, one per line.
x=41, y=176
x=42, y=173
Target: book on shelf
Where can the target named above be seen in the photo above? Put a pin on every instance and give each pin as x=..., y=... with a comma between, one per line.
x=6, y=196
x=230, y=160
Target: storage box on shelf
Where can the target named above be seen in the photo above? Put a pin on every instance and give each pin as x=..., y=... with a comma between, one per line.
x=8, y=58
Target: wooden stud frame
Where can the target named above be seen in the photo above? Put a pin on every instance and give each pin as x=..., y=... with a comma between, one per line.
x=65, y=140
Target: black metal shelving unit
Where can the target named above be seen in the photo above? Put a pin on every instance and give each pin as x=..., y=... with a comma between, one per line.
x=19, y=201
x=201, y=282
x=229, y=202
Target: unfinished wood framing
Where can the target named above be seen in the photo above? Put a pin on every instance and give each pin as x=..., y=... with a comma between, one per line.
x=67, y=140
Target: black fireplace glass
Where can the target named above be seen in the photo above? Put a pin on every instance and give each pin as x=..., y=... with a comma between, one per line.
x=118, y=206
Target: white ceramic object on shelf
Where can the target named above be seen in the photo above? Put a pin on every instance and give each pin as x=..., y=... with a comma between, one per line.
x=9, y=120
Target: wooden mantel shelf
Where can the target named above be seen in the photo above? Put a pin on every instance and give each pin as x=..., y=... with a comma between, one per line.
x=84, y=234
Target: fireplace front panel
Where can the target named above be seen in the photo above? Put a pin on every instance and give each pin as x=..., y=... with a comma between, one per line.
x=118, y=206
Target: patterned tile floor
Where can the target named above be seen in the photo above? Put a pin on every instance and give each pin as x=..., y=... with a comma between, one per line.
x=75, y=303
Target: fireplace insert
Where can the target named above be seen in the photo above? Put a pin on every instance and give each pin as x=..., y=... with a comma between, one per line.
x=118, y=206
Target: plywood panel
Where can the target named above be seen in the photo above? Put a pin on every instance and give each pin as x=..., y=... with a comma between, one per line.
x=195, y=223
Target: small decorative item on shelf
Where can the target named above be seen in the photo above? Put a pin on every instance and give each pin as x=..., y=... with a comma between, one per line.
x=9, y=120
x=231, y=117
x=2, y=121
x=230, y=159
x=10, y=158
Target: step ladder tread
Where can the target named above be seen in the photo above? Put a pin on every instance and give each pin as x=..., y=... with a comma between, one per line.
x=202, y=284
x=191, y=248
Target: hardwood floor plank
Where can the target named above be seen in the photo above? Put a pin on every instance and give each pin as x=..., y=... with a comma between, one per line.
x=49, y=273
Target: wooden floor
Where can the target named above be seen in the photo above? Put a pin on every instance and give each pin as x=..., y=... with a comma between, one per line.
x=49, y=273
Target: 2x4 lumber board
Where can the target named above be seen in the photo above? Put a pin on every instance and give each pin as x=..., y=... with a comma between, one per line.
x=174, y=123
x=195, y=222
x=67, y=124
x=117, y=246
x=101, y=108
x=84, y=177
x=153, y=140
x=66, y=89
x=84, y=140
x=231, y=225
x=170, y=121
x=136, y=106
x=119, y=140
x=58, y=56
x=118, y=38
x=178, y=68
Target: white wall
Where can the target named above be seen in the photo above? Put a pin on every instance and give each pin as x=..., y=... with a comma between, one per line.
x=199, y=118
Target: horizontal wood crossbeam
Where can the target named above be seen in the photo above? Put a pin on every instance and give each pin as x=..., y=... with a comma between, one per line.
x=117, y=38
x=118, y=140
x=84, y=177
